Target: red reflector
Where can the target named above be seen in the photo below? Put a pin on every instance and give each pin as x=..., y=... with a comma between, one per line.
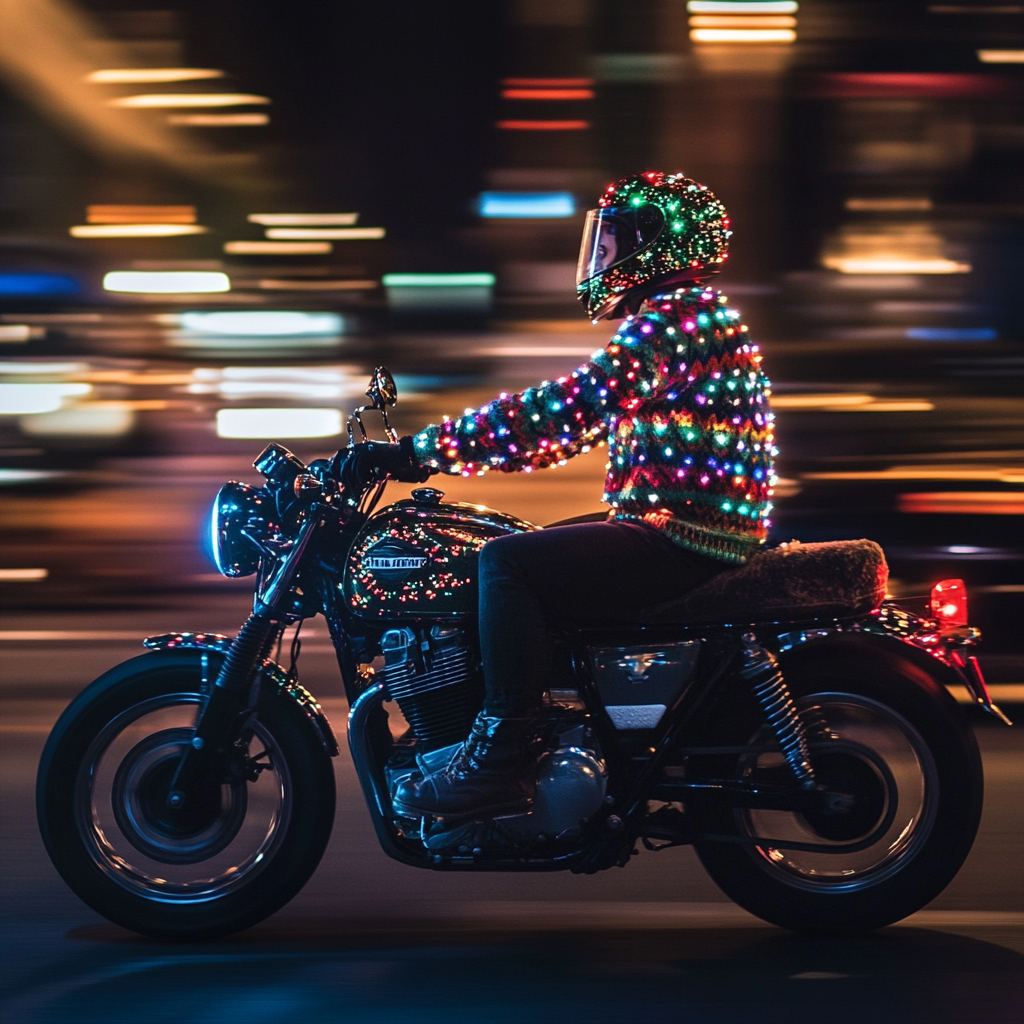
x=949, y=602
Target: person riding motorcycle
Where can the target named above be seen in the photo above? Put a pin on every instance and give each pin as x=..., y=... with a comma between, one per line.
x=679, y=397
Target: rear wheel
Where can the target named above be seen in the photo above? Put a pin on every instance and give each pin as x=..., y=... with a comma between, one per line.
x=885, y=733
x=233, y=854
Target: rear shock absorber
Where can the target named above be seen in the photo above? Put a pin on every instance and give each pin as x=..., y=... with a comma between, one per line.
x=761, y=670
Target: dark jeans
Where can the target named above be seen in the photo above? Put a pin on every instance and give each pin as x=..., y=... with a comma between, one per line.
x=582, y=574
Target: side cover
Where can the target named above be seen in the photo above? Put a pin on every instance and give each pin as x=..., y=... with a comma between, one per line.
x=413, y=560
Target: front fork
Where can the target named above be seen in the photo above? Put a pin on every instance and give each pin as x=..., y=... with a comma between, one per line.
x=229, y=704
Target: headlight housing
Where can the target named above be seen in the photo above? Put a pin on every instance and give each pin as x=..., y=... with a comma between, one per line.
x=240, y=520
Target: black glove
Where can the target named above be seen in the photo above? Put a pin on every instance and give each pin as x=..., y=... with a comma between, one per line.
x=372, y=461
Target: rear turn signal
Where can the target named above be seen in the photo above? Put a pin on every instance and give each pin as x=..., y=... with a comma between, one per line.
x=949, y=603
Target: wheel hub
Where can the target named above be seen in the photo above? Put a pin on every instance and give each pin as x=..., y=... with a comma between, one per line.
x=842, y=772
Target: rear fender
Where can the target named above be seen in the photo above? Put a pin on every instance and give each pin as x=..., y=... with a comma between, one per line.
x=216, y=645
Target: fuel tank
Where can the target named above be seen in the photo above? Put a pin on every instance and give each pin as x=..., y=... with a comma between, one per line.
x=418, y=558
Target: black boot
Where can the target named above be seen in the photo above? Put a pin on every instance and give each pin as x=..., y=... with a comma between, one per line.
x=492, y=773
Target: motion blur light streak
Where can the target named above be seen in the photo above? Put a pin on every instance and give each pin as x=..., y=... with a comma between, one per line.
x=298, y=285
x=547, y=94
x=266, y=323
x=134, y=230
x=350, y=234
x=188, y=99
x=166, y=282
x=438, y=280
x=271, y=423
x=277, y=381
x=527, y=204
x=1002, y=503
x=1001, y=474
x=742, y=35
x=217, y=120
x=284, y=220
x=92, y=419
x=24, y=399
x=41, y=369
x=26, y=283
x=23, y=575
x=952, y=333
x=895, y=265
x=116, y=76
x=544, y=83
x=1001, y=56
x=888, y=204
x=16, y=477
x=243, y=248
x=758, y=22
x=19, y=332
x=120, y=213
x=820, y=401
x=543, y=126
x=742, y=6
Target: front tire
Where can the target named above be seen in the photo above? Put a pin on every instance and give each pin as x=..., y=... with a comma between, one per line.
x=245, y=848
x=884, y=730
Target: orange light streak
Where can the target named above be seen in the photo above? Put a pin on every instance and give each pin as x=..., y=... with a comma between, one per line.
x=547, y=94
x=1000, y=503
x=543, y=126
x=548, y=83
x=111, y=213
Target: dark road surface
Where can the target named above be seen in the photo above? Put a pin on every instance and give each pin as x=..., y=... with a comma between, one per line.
x=372, y=940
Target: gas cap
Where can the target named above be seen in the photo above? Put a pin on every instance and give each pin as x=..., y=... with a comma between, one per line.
x=427, y=495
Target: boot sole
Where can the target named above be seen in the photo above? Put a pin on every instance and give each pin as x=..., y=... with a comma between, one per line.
x=489, y=811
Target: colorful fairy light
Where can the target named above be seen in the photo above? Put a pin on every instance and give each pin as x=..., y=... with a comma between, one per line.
x=681, y=400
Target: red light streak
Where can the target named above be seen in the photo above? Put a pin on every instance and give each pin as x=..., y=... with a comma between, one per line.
x=543, y=126
x=547, y=94
x=548, y=83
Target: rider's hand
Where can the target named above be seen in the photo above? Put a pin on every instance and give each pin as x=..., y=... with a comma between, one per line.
x=372, y=461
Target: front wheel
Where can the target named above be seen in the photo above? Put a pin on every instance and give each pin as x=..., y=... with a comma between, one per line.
x=237, y=852
x=884, y=732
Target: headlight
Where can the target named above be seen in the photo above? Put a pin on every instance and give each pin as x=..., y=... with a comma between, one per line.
x=238, y=521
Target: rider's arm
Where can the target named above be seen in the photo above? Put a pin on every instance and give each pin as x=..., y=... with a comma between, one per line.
x=548, y=424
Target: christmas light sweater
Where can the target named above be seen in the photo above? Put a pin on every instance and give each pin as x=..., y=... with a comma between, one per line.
x=680, y=399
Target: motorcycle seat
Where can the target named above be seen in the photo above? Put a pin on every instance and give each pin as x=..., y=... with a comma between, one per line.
x=793, y=581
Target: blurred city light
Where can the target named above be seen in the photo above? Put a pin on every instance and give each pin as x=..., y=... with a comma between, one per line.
x=274, y=423
x=543, y=126
x=295, y=220
x=277, y=382
x=117, y=76
x=120, y=213
x=286, y=284
x=952, y=333
x=741, y=22
x=15, y=333
x=262, y=323
x=742, y=35
x=245, y=248
x=24, y=399
x=548, y=83
x=547, y=94
x=526, y=204
x=888, y=204
x=23, y=575
x=134, y=230
x=742, y=6
x=188, y=99
x=217, y=120
x=166, y=282
x=1005, y=503
x=10, y=477
x=348, y=234
x=895, y=265
x=91, y=419
x=1001, y=56
x=37, y=283
x=438, y=293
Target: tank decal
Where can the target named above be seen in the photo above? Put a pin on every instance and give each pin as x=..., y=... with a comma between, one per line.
x=410, y=560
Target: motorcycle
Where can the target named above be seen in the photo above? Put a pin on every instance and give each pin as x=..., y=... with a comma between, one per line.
x=785, y=719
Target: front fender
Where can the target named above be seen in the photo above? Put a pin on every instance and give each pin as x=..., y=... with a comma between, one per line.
x=216, y=644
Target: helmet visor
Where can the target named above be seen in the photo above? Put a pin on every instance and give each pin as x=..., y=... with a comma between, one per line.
x=613, y=234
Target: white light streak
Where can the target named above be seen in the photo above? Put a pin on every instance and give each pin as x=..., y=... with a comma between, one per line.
x=1001, y=56
x=742, y=35
x=166, y=282
x=262, y=323
x=284, y=220
x=28, y=399
x=272, y=423
x=23, y=575
x=244, y=248
x=137, y=76
x=333, y=233
x=134, y=230
x=742, y=6
x=161, y=100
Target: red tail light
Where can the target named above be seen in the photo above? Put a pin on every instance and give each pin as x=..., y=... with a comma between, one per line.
x=949, y=603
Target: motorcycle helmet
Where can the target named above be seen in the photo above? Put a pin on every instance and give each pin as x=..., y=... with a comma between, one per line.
x=649, y=229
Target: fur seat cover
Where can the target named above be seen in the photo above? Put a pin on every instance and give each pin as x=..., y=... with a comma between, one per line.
x=793, y=581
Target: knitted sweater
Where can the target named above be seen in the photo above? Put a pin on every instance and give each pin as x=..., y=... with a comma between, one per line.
x=680, y=398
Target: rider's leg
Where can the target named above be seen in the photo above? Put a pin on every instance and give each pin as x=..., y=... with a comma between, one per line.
x=529, y=583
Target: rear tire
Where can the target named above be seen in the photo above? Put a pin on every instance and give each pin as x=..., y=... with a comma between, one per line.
x=248, y=848
x=886, y=731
